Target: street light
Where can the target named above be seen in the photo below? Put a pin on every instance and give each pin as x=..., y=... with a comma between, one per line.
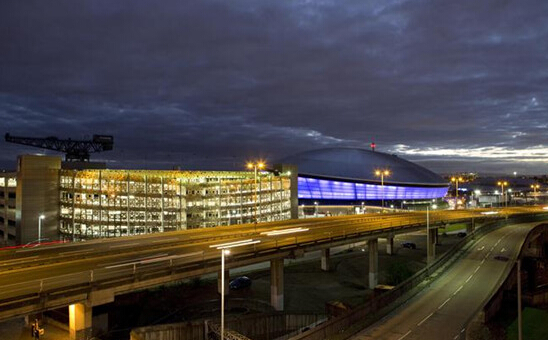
x=315, y=209
x=535, y=187
x=382, y=173
x=255, y=167
x=456, y=180
x=40, y=218
x=224, y=248
x=502, y=184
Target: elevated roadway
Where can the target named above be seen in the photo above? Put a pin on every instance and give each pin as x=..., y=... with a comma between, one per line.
x=93, y=272
x=442, y=310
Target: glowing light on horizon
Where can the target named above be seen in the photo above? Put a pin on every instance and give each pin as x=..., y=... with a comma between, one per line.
x=538, y=153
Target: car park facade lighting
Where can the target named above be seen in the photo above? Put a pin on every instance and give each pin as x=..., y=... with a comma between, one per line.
x=284, y=231
x=489, y=212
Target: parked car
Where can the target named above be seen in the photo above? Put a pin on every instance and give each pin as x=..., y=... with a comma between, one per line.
x=240, y=282
x=461, y=234
x=409, y=245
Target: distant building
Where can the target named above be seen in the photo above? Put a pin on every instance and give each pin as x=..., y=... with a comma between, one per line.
x=92, y=203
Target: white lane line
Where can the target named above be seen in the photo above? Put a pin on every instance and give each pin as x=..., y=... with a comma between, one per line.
x=75, y=252
x=503, y=250
x=458, y=290
x=167, y=239
x=477, y=268
x=462, y=330
x=443, y=304
x=482, y=247
x=482, y=261
x=406, y=334
x=468, y=279
x=456, y=337
x=426, y=318
x=124, y=245
x=491, y=249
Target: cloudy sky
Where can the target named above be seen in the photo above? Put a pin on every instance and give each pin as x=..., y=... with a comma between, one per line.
x=454, y=85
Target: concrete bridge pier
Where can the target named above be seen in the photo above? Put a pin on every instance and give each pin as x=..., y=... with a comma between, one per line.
x=325, y=259
x=390, y=245
x=373, y=246
x=219, y=281
x=431, y=244
x=277, y=284
x=80, y=316
x=470, y=227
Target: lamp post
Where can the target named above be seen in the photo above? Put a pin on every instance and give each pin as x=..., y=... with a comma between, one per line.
x=315, y=209
x=40, y=218
x=456, y=180
x=502, y=184
x=224, y=248
x=382, y=173
x=535, y=187
x=255, y=167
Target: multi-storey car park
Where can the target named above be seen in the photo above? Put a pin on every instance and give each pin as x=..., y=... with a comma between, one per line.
x=87, y=203
x=105, y=203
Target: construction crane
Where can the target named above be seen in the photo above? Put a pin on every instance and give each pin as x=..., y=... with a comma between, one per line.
x=75, y=150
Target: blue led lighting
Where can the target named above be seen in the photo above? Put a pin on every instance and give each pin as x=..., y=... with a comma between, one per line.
x=312, y=188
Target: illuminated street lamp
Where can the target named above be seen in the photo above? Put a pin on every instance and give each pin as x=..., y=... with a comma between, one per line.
x=255, y=167
x=40, y=218
x=535, y=187
x=224, y=248
x=456, y=180
x=382, y=173
x=502, y=184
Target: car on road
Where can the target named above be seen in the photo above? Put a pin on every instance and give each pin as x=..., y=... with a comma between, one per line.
x=240, y=282
x=409, y=245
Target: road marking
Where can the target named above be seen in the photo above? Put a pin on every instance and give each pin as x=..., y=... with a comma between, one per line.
x=169, y=239
x=124, y=245
x=491, y=249
x=443, y=304
x=468, y=279
x=456, y=337
x=462, y=330
x=482, y=247
x=406, y=334
x=426, y=318
x=503, y=250
x=477, y=268
x=458, y=290
x=482, y=261
x=75, y=252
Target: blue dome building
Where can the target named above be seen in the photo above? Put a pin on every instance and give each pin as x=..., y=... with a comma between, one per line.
x=348, y=174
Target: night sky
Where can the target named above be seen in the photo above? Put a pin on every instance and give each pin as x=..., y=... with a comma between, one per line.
x=454, y=85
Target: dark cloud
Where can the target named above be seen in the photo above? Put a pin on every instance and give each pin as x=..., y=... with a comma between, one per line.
x=210, y=83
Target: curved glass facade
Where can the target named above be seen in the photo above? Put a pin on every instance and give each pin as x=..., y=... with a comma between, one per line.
x=313, y=188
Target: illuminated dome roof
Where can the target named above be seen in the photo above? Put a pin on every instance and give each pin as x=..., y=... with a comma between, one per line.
x=355, y=164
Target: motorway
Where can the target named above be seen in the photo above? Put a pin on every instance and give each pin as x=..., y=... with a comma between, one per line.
x=29, y=272
x=442, y=310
